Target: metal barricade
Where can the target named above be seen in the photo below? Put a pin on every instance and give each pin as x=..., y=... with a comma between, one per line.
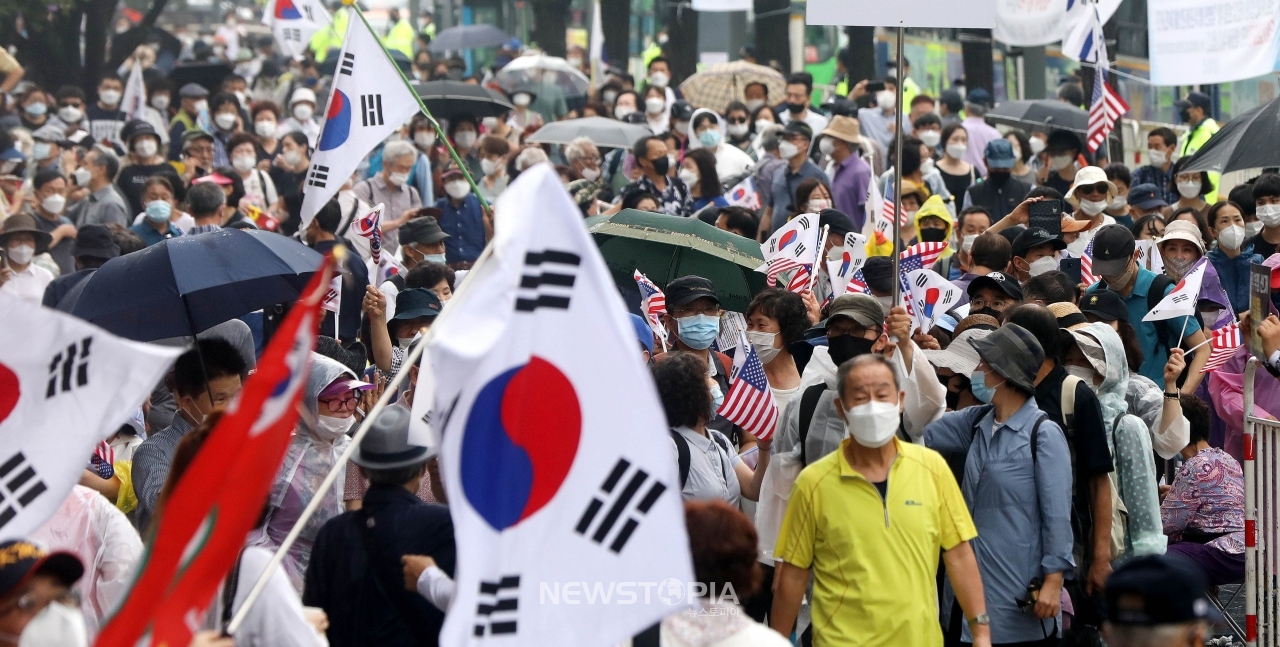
x=1261, y=526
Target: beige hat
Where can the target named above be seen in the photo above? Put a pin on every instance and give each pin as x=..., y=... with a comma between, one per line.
x=1182, y=230
x=842, y=128
x=1086, y=176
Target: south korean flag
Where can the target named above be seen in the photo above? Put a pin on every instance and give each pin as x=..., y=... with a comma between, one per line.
x=294, y=22
x=67, y=386
x=1181, y=302
x=369, y=101
x=553, y=444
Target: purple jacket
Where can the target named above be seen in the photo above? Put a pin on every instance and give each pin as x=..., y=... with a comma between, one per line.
x=850, y=180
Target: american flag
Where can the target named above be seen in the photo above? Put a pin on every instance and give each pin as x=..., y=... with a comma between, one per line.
x=1223, y=343
x=333, y=298
x=1107, y=106
x=916, y=257
x=1086, y=266
x=102, y=462
x=749, y=402
x=370, y=226
x=652, y=301
x=799, y=281
x=890, y=206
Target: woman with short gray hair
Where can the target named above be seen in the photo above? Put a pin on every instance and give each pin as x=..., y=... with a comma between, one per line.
x=390, y=187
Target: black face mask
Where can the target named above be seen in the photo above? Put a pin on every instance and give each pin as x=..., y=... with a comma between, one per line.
x=845, y=347
x=933, y=235
x=660, y=165
x=953, y=397
x=997, y=177
x=1185, y=116
x=795, y=108
x=986, y=311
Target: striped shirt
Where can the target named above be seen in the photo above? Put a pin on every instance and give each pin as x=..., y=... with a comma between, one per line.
x=151, y=467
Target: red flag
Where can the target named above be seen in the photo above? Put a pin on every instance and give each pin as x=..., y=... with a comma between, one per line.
x=220, y=496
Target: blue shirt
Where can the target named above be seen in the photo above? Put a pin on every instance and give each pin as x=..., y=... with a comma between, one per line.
x=465, y=225
x=1154, y=175
x=1021, y=508
x=1154, y=354
x=783, y=191
x=1234, y=274
x=150, y=236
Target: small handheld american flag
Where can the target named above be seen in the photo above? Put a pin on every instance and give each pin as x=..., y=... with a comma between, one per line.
x=370, y=226
x=653, y=303
x=1086, y=266
x=749, y=402
x=1223, y=342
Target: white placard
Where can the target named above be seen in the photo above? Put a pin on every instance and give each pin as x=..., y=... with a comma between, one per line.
x=1029, y=23
x=1211, y=41
x=721, y=5
x=978, y=14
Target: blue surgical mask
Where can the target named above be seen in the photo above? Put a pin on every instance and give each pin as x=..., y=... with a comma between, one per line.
x=717, y=399
x=978, y=384
x=159, y=210
x=709, y=138
x=698, y=331
x=433, y=258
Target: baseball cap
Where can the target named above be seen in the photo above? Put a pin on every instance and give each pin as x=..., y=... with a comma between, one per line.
x=862, y=308
x=1197, y=99
x=193, y=91
x=998, y=281
x=681, y=111
x=1113, y=248
x=643, y=332
x=452, y=174
x=1158, y=590
x=22, y=559
x=51, y=133
x=978, y=96
x=1182, y=230
x=1013, y=352
x=423, y=230
x=95, y=241
x=342, y=385
x=416, y=302
x=999, y=154
x=216, y=178
x=952, y=100
x=1106, y=305
x=1089, y=345
x=878, y=271
x=959, y=356
x=839, y=223
x=795, y=127
x=136, y=128
x=193, y=134
x=687, y=289
x=1146, y=196
x=1035, y=237
x=1071, y=225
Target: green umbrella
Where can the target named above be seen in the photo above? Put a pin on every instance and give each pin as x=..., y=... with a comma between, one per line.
x=665, y=248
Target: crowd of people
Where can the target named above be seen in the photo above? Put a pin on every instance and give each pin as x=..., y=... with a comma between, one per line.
x=1043, y=438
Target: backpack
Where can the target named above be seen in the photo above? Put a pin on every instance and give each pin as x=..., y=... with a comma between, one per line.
x=808, y=405
x=684, y=457
x=1119, y=514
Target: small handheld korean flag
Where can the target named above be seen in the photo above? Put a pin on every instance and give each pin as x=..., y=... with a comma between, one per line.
x=294, y=22
x=369, y=101
x=931, y=297
x=65, y=388
x=1181, y=302
x=744, y=194
x=842, y=270
x=794, y=246
x=561, y=472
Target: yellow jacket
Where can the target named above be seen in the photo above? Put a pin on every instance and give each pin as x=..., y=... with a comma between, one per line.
x=934, y=206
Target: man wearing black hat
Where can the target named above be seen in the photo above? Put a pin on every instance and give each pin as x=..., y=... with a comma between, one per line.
x=421, y=241
x=93, y=248
x=38, y=604
x=1035, y=251
x=793, y=148
x=144, y=161
x=993, y=293
x=355, y=573
x=1158, y=600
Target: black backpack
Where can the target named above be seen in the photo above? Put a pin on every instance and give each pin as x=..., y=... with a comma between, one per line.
x=683, y=457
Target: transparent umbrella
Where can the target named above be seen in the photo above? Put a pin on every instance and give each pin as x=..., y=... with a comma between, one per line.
x=540, y=71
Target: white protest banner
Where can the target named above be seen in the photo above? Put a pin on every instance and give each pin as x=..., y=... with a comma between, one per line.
x=1029, y=23
x=979, y=14
x=1211, y=41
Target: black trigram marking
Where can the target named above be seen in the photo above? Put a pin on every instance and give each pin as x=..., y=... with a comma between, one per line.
x=307, y=10
x=1179, y=298
x=19, y=486
x=541, y=287
x=348, y=64
x=800, y=248
x=620, y=506
x=922, y=280
x=497, y=605
x=319, y=176
x=370, y=110
x=292, y=33
x=69, y=369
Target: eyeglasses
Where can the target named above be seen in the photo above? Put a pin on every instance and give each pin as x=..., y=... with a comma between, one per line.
x=347, y=402
x=681, y=312
x=591, y=159
x=843, y=326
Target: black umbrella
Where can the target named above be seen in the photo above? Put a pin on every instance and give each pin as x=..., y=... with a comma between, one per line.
x=468, y=37
x=185, y=285
x=1049, y=113
x=447, y=98
x=209, y=75
x=1246, y=142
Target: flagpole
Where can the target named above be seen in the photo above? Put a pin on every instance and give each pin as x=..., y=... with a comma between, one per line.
x=897, y=170
x=820, y=259
x=1185, y=320
x=1197, y=346
x=440, y=135
x=325, y=486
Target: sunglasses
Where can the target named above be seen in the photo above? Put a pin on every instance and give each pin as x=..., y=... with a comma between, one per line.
x=742, y=120
x=1100, y=187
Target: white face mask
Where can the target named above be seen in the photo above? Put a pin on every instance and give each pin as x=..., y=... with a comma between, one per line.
x=54, y=203
x=872, y=424
x=927, y=166
x=464, y=138
x=70, y=114
x=244, y=163
x=622, y=111
x=1037, y=145
x=425, y=139
x=303, y=112
x=1083, y=373
x=160, y=102
x=42, y=151
x=1157, y=158
x=225, y=120
x=763, y=343
x=488, y=166
x=654, y=105
x=57, y=625
x=457, y=189
x=145, y=148
x=22, y=254
x=1189, y=189
x=787, y=150
x=659, y=79
x=329, y=428
x=1092, y=208
x=1269, y=215
x=265, y=128
x=886, y=100
x=957, y=151
x=1042, y=265
x=754, y=104
x=397, y=179
x=109, y=97
x=761, y=124
x=1253, y=228
x=1059, y=162
x=521, y=99
x=292, y=158
x=930, y=138
x=609, y=96
x=966, y=243
x=687, y=176
x=403, y=342
x=81, y=176
x=737, y=130
x=590, y=174
x=816, y=206
x=826, y=146
x=1117, y=203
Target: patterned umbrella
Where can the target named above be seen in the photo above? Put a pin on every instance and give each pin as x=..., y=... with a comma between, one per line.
x=716, y=86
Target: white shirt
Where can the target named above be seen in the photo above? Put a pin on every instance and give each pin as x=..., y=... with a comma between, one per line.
x=437, y=587
x=29, y=284
x=816, y=121
x=276, y=619
x=309, y=128
x=730, y=162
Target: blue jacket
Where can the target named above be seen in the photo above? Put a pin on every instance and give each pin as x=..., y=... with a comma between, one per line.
x=465, y=226
x=1234, y=273
x=341, y=575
